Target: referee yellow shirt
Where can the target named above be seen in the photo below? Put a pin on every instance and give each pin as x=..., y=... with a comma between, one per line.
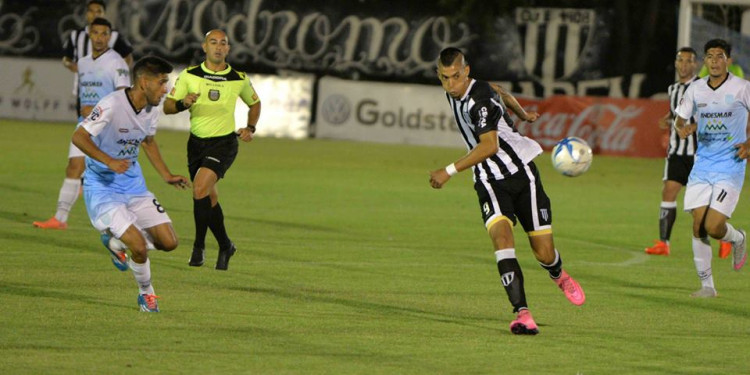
x=212, y=115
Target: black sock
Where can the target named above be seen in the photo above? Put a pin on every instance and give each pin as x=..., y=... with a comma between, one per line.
x=202, y=216
x=554, y=269
x=667, y=216
x=512, y=278
x=216, y=224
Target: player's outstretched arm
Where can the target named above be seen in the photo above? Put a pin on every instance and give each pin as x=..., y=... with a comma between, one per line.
x=154, y=156
x=488, y=146
x=82, y=140
x=511, y=102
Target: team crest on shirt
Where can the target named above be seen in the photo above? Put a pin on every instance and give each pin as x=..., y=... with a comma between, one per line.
x=96, y=113
x=729, y=99
x=213, y=95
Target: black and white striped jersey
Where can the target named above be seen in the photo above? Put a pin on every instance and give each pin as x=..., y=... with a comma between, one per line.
x=677, y=146
x=78, y=44
x=480, y=110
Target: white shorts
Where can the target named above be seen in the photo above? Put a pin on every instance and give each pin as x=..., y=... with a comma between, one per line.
x=720, y=196
x=117, y=216
x=75, y=152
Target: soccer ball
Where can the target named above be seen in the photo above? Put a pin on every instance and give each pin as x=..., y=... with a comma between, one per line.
x=571, y=156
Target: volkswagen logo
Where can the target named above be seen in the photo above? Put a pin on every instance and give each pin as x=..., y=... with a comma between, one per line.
x=336, y=109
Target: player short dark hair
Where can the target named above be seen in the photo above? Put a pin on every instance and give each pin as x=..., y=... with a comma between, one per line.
x=151, y=66
x=98, y=2
x=688, y=50
x=718, y=43
x=449, y=55
x=102, y=22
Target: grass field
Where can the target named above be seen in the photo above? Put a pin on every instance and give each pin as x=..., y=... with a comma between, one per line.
x=349, y=263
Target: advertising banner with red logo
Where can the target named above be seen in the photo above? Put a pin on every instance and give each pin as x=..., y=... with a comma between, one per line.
x=620, y=127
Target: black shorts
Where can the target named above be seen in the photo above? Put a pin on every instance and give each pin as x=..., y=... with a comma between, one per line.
x=677, y=168
x=518, y=196
x=215, y=153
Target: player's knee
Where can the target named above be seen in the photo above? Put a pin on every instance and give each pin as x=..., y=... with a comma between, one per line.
x=168, y=245
x=139, y=253
x=200, y=192
x=715, y=230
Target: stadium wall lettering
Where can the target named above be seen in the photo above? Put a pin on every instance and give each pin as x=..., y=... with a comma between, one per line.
x=542, y=50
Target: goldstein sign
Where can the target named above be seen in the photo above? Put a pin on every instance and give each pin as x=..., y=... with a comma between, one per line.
x=385, y=112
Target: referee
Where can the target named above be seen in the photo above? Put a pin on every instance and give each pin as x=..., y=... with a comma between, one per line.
x=210, y=91
x=680, y=155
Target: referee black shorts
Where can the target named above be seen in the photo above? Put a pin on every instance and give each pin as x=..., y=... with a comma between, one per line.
x=519, y=197
x=214, y=153
x=677, y=168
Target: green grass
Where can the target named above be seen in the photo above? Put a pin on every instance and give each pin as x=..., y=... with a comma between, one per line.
x=350, y=263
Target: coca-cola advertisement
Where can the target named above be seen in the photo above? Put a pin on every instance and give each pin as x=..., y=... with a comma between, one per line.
x=622, y=127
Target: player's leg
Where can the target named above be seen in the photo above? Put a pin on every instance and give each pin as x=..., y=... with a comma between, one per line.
x=68, y=191
x=702, y=254
x=725, y=197
x=676, y=172
x=109, y=214
x=496, y=204
x=153, y=218
x=697, y=199
x=141, y=266
x=216, y=156
x=534, y=211
x=203, y=184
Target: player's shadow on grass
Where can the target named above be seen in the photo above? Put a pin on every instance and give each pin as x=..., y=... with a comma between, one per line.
x=476, y=322
x=59, y=241
x=17, y=217
x=677, y=296
x=40, y=292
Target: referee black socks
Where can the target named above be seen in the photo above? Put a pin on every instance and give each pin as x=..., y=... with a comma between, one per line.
x=202, y=217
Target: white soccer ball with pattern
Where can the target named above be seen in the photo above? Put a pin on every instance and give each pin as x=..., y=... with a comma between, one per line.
x=572, y=156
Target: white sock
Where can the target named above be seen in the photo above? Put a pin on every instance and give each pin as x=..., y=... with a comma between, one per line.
x=733, y=235
x=67, y=197
x=665, y=204
x=702, y=258
x=142, y=273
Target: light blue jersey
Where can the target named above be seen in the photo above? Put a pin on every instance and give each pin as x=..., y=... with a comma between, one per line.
x=101, y=76
x=118, y=131
x=722, y=115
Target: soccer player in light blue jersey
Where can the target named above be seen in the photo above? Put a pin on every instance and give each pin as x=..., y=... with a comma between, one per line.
x=99, y=73
x=720, y=104
x=117, y=200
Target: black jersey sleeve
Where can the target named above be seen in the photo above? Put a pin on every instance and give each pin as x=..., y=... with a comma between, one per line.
x=69, y=48
x=487, y=110
x=122, y=46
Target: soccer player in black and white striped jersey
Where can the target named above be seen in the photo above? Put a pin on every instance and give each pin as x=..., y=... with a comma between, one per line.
x=680, y=155
x=506, y=181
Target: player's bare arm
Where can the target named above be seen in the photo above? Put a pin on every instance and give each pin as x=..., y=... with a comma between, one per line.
x=253, y=114
x=664, y=121
x=683, y=129
x=154, y=156
x=82, y=140
x=487, y=147
x=172, y=106
x=69, y=64
x=511, y=102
